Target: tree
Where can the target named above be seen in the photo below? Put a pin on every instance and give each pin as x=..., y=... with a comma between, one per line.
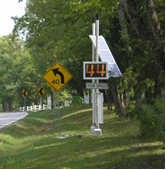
x=59, y=33
x=59, y=30
x=150, y=38
x=17, y=72
x=149, y=33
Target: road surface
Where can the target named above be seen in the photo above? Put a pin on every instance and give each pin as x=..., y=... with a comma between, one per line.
x=9, y=118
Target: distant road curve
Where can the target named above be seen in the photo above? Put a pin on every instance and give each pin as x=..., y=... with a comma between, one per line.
x=9, y=118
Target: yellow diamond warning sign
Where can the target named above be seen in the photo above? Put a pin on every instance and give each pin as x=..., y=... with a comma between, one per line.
x=57, y=76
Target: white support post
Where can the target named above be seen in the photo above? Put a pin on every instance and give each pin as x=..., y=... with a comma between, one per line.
x=41, y=102
x=25, y=104
x=101, y=108
x=97, y=131
x=93, y=81
x=49, y=102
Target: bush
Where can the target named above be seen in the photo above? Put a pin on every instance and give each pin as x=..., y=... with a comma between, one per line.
x=77, y=100
x=152, y=120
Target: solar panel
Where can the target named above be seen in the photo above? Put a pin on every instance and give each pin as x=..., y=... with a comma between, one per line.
x=106, y=55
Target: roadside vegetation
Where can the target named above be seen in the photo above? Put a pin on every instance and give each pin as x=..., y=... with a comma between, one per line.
x=134, y=119
x=31, y=143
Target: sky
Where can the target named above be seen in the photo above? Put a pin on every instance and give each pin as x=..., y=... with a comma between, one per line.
x=9, y=8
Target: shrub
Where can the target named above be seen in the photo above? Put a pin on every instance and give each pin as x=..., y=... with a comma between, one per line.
x=152, y=120
x=77, y=100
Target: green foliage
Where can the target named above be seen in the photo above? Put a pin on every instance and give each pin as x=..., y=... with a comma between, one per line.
x=152, y=120
x=76, y=100
x=65, y=96
x=17, y=72
x=62, y=31
x=58, y=30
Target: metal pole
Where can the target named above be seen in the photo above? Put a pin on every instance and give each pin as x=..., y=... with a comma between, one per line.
x=97, y=130
x=93, y=81
x=58, y=117
x=53, y=108
x=25, y=103
x=97, y=37
x=97, y=59
x=41, y=102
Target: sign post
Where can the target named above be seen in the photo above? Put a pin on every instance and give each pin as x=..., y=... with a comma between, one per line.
x=24, y=95
x=49, y=102
x=41, y=93
x=53, y=108
x=93, y=81
x=57, y=76
x=97, y=130
x=59, y=130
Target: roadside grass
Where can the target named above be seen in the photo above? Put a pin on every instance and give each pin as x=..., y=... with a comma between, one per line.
x=30, y=143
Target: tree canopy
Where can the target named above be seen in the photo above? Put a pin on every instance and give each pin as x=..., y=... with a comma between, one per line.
x=17, y=72
x=58, y=30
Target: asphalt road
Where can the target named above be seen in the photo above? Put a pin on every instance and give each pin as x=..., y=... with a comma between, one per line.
x=9, y=118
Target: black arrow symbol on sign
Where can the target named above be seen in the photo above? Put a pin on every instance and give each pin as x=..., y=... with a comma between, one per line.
x=40, y=91
x=25, y=93
x=56, y=71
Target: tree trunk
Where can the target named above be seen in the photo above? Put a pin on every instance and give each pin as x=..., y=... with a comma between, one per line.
x=8, y=106
x=109, y=100
x=123, y=26
x=153, y=18
x=90, y=96
x=122, y=99
x=4, y=106
x=136, y=19
x=125, y=99
x=158, y=48
x=118, y=103
x=137, y=97
x=104, y=95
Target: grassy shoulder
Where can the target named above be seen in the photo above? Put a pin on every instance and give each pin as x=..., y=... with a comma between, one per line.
x=31, y=144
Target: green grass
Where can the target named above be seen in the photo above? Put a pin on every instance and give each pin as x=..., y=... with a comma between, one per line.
x=31, y=144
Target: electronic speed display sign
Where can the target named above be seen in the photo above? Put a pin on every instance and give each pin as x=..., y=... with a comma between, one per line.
x=95, y=70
